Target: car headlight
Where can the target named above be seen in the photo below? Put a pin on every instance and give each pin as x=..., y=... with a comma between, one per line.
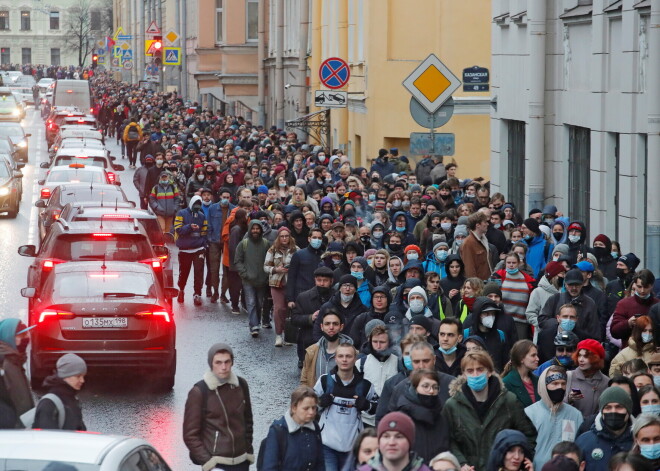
x=16, y=112
x=22, y=144
x=4, y=191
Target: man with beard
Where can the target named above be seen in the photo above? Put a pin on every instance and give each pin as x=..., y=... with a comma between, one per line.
x=616, y=289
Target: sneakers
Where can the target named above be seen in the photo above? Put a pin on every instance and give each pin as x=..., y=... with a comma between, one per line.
x=197, y=300
x=180, y=297
x=266, y=325
x=254, y=331
x=278, y=341
x=235, y=311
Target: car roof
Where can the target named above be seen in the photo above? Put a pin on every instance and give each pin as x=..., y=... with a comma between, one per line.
x=85, y=186
x=10, y=124
x=65, y=446
x=86, y=168
x=96, y=210
x=78, y=131
x=108, y=226
x=81, y=151
x=95, y=265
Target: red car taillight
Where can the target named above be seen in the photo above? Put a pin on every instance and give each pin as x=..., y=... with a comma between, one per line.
x=162, y=314
x=111, y=177
x=53, y=314
x=50, y=263
x=155, y=263
x=45, y=193
x=56, y=214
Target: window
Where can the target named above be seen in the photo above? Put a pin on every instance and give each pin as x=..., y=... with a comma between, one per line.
x=25, y=21
x=4, y=20
x=516, y=159
x=55, y=56
x=54, y=20
x=95, y=20
x=579, y=154
x=218, y=21
x=252, y=20
x=4, y=56
x=26, y=55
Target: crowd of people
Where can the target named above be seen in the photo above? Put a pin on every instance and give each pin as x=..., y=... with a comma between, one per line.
x=436, y=326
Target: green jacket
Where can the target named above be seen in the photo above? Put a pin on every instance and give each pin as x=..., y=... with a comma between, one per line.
x=249, y=261
x=514, y=383
x=471, y=439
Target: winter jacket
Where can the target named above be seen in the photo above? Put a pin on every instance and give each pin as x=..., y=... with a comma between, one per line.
x=588, y=323
x=187, y=238
x=309, y=373
x=433, y=264
x=537, y=255
x=431, y=432
x=383, y=167
x=514, y=383
x=140, y=181
x=226, y=435
x=357, y=330
x=591, y=389
x=388, y=389
x=471, y=437
x=304, y=449
x=377, y=370
x=301, y=268
x=625, y=309
x=307, y=303
x=277, y=258
x=415, y=463
x=131, y=127
x=15, y=395
x=350, y=313
x=630, y=353
x=455, y=368
x=600, y=438
x=165, y=200
x=600, y=300
x=475, y=257
x=580, y=247
x=249, y=260
x=216, y=221
x=504, y=441
x=537, y=300
x=47, y=416
x=615, y=292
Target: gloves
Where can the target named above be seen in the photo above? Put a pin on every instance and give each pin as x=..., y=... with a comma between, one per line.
x=325, y=400
x=362, y=404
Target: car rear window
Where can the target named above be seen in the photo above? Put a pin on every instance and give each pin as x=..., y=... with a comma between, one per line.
x=104, y=284
x=85, y=196
x=75, y=176
x=99, y=246
x=93, y=161
x=150, y=225
x=40, y=465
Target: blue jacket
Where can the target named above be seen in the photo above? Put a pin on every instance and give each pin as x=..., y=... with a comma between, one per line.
x=432, y=264
x=216, y=222
x=536, y=255
x=364, y=292
x=186, y=237
x=383, y=167
x=301, y=271
x=598, y=446
x=304, y=450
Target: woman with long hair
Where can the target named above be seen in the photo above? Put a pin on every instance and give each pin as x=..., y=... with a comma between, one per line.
x=587, y=383
x=276, y=265
x=232, y=280
x=517, y=375
x=640, y=345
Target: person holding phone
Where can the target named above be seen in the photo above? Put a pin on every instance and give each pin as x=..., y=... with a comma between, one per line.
x=511, y=452
x=587, y=383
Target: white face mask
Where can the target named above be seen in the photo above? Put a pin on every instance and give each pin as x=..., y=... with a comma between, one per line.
x=445, y=226
x=416, y=305
x=413, y=256
x=488, y=321
x=574, y=238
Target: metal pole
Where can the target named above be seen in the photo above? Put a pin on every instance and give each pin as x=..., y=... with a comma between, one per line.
x=140, y=41
x=159, y=16
x=177, y=22
x=302, y=56
x=261, y=71
x=279, y=67
x=184, y=47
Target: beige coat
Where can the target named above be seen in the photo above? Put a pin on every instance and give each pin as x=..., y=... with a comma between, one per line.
x=629, y=353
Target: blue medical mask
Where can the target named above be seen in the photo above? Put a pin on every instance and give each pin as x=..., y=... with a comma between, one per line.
x=441, y=255
x=651, y=452
x=614, y=254
x=448, y=351
x=477, y=383
x=642, y=297
x=564, y=360
x=412, y=256
x=567, y=324
x=446, y=226
x=315, y=243
x=400, y=229
x=372, y=197
x=377, y=235
x=653, y=409
x=358, y=275
x=656, y=381
x=407, y=362
x=647, y=337
x=512, y=271
x=224, y=201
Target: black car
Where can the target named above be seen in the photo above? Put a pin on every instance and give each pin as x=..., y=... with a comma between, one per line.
x=124, y=241
x=18, y=137
x=13, y=163
x=112, y=314
x=97, y=193
x=10, y=189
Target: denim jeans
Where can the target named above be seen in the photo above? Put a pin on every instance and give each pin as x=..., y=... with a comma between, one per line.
x=254, y=301
x=334, y=460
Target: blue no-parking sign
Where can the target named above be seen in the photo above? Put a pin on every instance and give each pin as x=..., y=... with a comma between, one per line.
x=334, y=73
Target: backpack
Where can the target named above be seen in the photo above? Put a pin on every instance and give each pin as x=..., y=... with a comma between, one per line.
x=281, y=435
x=466, y=334
x=133, y=133
x=28, y=417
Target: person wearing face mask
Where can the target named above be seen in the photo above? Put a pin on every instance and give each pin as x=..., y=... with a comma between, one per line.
x=565, y=344
x=640, y=345
x=359, y=269
x=629, y=310
x=380, y=307
x=377, y=234
x=401, y=226
x=516, y=288
x=15, y=395
x=320, y=356
x=577, y=234
x=451, y=349
x=303, y=264
x=646, y=433
x=435, y=260
x=421, y=403
x=555, y=421
x=566, y=322
x=478, y=409
x=417, y=303
x=131, y=137
x=485, y=312
x=538, y=247
x=611, y=433
x=218, y=213
x=190, y=226
x=549, y=215
x=411, y=252
x=345, y=301
x=616, y=289
x=602, y=249
x=165, y=201
x=550, y=283
x=150, y=145
x=586, y=383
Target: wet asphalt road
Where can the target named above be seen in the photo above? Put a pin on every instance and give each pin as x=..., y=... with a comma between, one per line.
x=122, y=404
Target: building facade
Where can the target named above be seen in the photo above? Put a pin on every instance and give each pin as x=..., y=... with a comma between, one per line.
x=383, y=42
x=577, y=118
x=35, y=31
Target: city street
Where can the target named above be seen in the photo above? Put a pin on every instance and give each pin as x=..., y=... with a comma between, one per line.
x=122, y=404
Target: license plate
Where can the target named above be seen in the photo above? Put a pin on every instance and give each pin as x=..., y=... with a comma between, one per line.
x=105, y=323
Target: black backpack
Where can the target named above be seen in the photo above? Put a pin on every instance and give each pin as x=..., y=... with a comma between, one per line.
x=281, y=434
x=133, y=132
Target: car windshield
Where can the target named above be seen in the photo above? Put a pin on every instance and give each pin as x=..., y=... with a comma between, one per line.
x=73, y=175
x=84, y=196
x=103, y=284
x=4, y=171
x=100, y=246
x=92, y=161
x=40, y=465
x=152, y=227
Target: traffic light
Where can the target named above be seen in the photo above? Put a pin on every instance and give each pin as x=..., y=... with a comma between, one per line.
x=158, y=49
x=95, y=60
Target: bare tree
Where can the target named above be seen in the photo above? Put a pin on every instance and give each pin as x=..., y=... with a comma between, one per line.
x=79, y=33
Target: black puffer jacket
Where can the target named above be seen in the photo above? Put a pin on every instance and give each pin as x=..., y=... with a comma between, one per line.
x=47, y=416
x=431, y=432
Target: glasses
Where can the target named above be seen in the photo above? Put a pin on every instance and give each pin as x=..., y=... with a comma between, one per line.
x=379, y=297
x=347, y=285
x=565, y=349
x=429, y=387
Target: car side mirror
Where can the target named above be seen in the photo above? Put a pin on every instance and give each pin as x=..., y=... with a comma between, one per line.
x=20, y=165
x=117, y=183
x=40, y=204
x=18, y=174
x=132, y=203
x=28, y=135
x=169, y=292
x=28, y=292
x=118, y=167
x=27, y=250
x=113, y=158
x=44, y=165
x=161, y=251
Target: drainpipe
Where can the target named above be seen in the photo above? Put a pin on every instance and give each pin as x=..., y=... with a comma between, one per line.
x=535, y=140
x=653, y=142
x=302, y=56
x=261, y=71
x=279, y=67
x=140, y=41
x=184, y=49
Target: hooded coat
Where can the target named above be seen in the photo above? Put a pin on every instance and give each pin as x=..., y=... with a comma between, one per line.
x=537, y=300
x=15, y=395
x=344, y=267
x=497, y=344
x=504, y=441
x=579, y=247
x=46, y=415
x=250, y=258
x=472, y=435
x=187, y=238
x=600, y=437
x=350, y=313
x=449, y=282
x=407, y=238
x=302, y=237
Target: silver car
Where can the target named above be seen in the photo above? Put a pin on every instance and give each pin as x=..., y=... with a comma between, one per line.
x=45, y=450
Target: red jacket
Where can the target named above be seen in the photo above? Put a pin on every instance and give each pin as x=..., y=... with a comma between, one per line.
x=625, y=309
x=528, y=278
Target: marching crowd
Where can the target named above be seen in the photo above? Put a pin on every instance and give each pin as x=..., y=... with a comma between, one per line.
x=436, y=326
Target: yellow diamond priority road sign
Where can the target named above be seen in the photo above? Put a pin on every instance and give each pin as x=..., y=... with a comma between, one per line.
x=431, y=83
